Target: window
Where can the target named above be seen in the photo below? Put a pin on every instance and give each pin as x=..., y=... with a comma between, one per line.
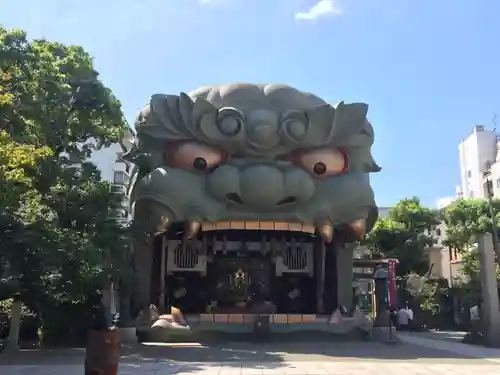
x=119, y=177
x=469, y=173
x=497, y=182
x=455, y=255
x=438, y=232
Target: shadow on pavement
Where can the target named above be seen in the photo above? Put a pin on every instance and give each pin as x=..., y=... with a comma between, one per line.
x=231, y=354
x=269, y=355
x=182, y=357
x=279, y=352
x=192, y=357
x=130, y=363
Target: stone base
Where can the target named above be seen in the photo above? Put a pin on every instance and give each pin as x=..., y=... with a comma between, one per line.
x=9, y=346
x=235, y=332
x=384, y=334
x=128, y=335
x=30, y=345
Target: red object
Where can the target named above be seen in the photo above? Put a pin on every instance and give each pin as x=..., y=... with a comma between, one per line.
x=102, y=353
x=391, y=279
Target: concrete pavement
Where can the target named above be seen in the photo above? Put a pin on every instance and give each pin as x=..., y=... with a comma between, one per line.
x=336, y=358
x=452, y=341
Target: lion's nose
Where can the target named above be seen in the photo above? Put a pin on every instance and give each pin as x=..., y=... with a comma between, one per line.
x=262, y=186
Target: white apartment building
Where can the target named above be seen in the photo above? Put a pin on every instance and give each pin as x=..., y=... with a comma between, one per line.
x=444, y=261
x=478, y=154
x=116, y=170
x=493, y=175
x=479, y=160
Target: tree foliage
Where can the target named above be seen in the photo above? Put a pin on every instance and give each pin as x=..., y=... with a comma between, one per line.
x=52, y=96
x=58, y=219
x=405, y=234
x=470, y=266
x=15, y=158
x=466, y=219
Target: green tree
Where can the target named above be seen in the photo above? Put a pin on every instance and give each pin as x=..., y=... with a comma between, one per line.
x=54, y=112
x=16, y=185
x=466, y=219
x=52, y=97
x=405, y=234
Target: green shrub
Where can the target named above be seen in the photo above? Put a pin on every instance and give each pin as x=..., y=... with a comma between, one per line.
x=65, y=324
x=28, y=330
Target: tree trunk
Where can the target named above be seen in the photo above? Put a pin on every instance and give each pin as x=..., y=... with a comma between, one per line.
x=15, y=323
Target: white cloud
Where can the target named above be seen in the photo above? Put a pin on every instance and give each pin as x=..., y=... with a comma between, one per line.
x=320, y=9
x=215, y=2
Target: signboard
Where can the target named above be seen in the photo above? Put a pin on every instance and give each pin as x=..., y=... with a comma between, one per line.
x=392, y=282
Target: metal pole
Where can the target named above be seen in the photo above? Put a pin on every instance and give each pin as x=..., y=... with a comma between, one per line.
x=390, y=327
x=450, y=269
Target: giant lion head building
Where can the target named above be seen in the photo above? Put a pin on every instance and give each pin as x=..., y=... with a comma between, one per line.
x=251, y=195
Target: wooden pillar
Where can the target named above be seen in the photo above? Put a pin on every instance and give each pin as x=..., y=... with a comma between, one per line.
x=319, y=271
x=344, y=254
x=164, y=244
x=143, y=262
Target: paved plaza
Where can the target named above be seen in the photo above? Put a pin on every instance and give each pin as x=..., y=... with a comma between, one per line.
x=339, y=358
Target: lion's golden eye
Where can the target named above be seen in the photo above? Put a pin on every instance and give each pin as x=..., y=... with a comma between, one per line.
x=194, y=156
x=322, y=163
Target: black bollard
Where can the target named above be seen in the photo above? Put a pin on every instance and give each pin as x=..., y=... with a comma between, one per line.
x=102, y=352
x=261, y=328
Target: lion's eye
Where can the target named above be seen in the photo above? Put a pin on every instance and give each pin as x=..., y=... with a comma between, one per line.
x=322, y=163
x=194, y=157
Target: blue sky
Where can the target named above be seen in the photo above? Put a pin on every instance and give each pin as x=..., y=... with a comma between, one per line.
x=429, y=69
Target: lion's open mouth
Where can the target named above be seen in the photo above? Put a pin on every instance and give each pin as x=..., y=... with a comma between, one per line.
x=324, y=228
x=258, y=225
